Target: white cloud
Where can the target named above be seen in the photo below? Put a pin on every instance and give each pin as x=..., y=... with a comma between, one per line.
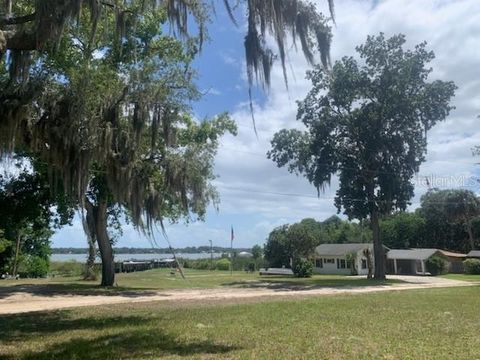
x=257, y=196
x=449, y=159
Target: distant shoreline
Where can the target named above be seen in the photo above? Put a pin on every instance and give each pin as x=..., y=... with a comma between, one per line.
x=137, y=256
x=159, y=251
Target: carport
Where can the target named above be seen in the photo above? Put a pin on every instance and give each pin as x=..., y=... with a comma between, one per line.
x=409, y=262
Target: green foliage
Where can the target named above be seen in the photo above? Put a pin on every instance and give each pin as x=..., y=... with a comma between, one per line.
x=302, y=268
x=367, y=122
x=4, y=243
x=257, y=252
x=199, y=264
x=404, y=230
x=67, y=268
x=27, y=213
x=277, y=249
x=238, y=263
x=436, y=265
x=222, y=264
x=302, y=240
x=350, y=115
x=472, y=266
x=33, y=267
x=451, y=218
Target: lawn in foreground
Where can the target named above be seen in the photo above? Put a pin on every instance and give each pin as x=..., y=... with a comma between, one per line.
x=415, y=324
x=161, y=279
x=463, y=277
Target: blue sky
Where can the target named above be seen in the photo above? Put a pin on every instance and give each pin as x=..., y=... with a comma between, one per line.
x=255, y=195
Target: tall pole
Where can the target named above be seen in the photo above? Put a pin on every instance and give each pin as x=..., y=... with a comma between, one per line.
x=211, y=255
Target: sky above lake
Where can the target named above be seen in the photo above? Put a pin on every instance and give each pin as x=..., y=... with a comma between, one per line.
x=256, y=196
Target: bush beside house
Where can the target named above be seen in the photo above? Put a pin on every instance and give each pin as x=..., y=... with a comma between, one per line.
x=436, y=265
x=302, y=268
x=472, y=266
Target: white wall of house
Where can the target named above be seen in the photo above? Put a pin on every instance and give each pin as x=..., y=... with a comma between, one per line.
x=337, y=265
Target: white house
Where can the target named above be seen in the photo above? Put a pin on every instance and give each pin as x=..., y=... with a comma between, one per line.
x=333, y=258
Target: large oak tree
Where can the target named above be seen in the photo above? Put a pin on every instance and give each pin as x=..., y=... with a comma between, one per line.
x=95, y=90
x=367, y=123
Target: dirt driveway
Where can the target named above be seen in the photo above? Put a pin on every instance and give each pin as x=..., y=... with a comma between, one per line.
x=27, y=298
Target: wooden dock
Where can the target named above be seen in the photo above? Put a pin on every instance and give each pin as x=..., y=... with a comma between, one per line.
x=142, y=265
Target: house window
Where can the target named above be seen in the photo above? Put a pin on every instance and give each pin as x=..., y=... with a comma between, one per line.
x=329, y=261
x=319, y=263
x=364, y=263
x=341, y=264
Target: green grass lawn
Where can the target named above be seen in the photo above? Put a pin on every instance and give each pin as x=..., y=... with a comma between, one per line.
x=464, y=277
x=161, y=279
x=415, y=324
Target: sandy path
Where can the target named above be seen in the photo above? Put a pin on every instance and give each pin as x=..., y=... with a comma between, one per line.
x=20, y=302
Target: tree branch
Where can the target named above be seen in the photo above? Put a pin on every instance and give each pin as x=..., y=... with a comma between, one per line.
x=17, y=20
x=18, y=40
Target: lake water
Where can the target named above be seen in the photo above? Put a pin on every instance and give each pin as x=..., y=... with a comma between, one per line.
x=125, y=257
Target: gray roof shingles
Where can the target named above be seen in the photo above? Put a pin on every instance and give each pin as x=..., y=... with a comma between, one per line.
x=340, y=249
x=474, y=253
x=411, y=254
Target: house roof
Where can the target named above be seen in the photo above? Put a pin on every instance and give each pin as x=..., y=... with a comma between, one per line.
x=474, y=253
x=453, y=254
x=411, y=254
x=341, y=249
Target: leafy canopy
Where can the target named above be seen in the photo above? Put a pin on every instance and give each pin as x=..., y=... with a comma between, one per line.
x=367, y=122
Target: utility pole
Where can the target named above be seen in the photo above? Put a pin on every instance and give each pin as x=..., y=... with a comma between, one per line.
x=211, y=255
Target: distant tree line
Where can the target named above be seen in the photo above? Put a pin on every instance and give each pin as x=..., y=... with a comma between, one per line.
x=135, y=250
x=446, y=219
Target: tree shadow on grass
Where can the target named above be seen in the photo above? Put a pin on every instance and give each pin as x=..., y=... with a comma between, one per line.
x=21, y=327
x=281, y=283
x=73, y=289
x=144, y=338
x=127, y=345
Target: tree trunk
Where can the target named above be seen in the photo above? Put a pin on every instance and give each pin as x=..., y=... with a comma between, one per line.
x=90, y=264
x=470, y=235
x=97, y=229
x=378, y=252
x=89, y=228
x=17, y=251
x=104, y=244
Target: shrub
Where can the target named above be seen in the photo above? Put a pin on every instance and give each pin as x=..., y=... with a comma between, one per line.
x=34, y=267
x=436, y=265
x=472, y=266
x=202, y=264
x=302, y=268
x=67, y=268
x=222, y=264
x=241, y=263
